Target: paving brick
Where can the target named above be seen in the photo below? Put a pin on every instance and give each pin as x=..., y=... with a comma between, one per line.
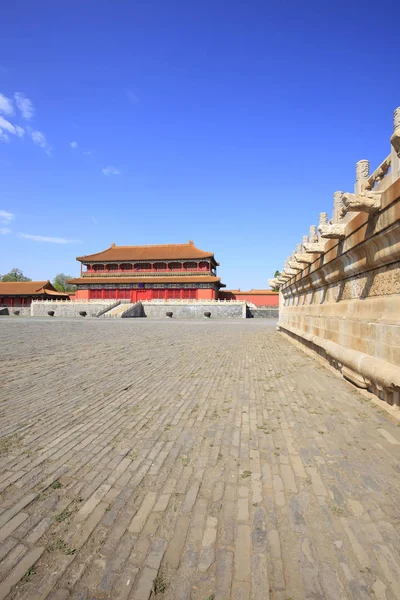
x=19, y=571
x=145, y=584
x=142, y=514
x=176, y=545
x=242, y=553
x=223, y=577
x=13, y=524
x=216, y=452
x=207, y=554
x=156, y=553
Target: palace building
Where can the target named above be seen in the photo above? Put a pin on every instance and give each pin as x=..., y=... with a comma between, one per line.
x=18, y=294
x=139, y=273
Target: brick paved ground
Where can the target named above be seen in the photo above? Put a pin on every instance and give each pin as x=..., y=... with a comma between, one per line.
x=206, y=459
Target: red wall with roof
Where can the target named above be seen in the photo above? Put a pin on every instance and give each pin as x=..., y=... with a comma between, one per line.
x=257, y=297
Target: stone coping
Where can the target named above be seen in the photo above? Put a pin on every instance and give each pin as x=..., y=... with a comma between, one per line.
x=364, y=370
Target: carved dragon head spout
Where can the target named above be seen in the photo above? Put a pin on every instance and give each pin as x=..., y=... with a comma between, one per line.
x=313, y=246
x=274, y=283
x=330, y=231
x=301, y=255
x=368, y=202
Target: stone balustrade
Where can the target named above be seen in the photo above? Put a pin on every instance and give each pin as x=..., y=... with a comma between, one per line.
x=340, y=289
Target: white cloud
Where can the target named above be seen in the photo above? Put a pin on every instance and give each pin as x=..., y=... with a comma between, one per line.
x=110, y=170
x=6, y=217
x=24, y=105
x=50, y=240
x=73, y=144
x=39, y=138
x=9, y=128
x=6, y=126
x=6, y=105
x=88, y=152
x=95, y=221
x=4, y=230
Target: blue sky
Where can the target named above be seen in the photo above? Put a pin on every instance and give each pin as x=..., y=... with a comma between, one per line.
x=145, y=122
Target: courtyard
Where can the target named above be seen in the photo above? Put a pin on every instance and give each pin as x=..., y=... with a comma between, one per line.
x=202, y=460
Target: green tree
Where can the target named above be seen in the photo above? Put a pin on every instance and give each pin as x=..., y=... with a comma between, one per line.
x=15, y=275
x=276, y=274
x=61, y=285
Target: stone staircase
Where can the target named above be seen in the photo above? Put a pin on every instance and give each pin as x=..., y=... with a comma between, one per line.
x=117, y=311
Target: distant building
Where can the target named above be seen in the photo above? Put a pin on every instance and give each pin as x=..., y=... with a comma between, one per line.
x=135, y=273
x=257, y=297
x=16, y=294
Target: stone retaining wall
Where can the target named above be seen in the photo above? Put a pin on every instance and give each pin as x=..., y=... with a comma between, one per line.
x=340, y=290
x=195, y=310
x=262, y=313
x=68, y=309
x=24, y=311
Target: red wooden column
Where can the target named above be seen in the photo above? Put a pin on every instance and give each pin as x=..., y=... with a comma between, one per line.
x=102, y=294
x=181, y=294
x=166, y=294
x=117, y=294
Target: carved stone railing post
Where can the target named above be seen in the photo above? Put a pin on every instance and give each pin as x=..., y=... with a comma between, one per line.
x=313, y=237
x=362, y=174
x=337, y=207
x=395, y=141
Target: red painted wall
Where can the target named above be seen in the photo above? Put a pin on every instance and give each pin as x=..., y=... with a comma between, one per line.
x=206, y=294
x=147, y=294
x=82, y=295
x=259, y=298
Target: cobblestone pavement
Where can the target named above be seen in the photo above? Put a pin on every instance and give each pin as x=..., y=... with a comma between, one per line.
x=202, y=460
